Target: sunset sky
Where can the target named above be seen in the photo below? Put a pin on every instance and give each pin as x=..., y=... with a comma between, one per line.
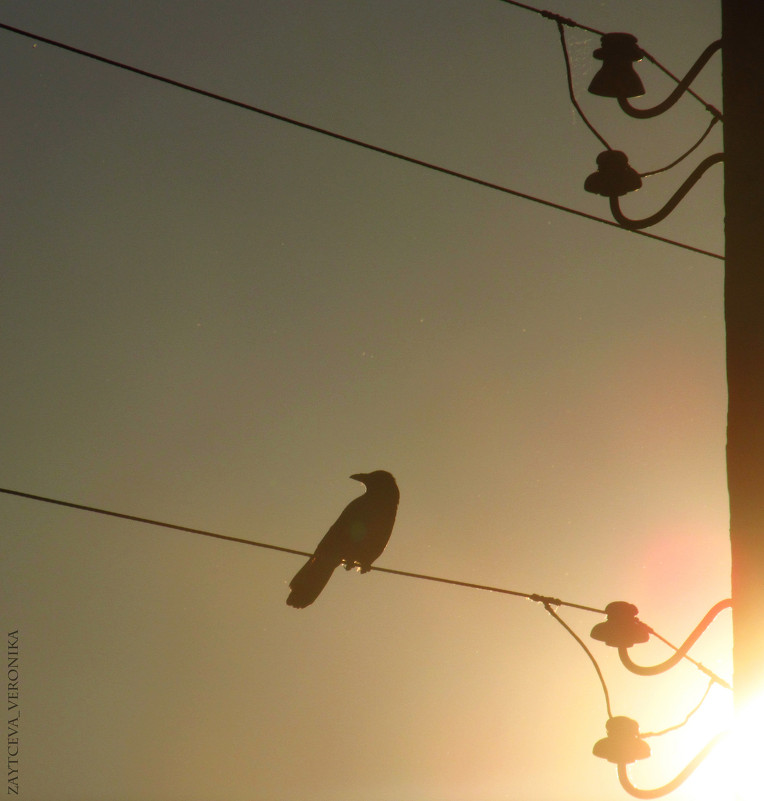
x=213, y=318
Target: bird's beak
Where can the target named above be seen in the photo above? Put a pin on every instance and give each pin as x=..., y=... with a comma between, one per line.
x=359, y=477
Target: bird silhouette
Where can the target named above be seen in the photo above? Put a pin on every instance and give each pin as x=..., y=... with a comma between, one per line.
x=356, y=539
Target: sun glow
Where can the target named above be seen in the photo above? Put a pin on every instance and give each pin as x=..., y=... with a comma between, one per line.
x=732, y=770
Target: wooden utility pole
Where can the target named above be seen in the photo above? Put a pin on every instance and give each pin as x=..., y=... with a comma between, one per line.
x=743, y=85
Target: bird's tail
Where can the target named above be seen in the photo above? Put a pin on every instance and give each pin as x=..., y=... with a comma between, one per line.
x=309, y=580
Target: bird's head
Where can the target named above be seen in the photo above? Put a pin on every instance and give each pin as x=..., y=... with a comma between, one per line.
x=377, y=479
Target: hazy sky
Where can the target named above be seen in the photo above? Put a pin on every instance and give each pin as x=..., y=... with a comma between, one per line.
x=213, y=318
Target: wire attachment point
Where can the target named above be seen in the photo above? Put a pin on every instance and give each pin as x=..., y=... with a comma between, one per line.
x=546, y=600
x=560, y=20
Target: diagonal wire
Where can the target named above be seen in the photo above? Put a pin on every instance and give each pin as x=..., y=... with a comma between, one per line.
x=543, y=599
x=149, y=521
x=546, y=600
x=357, y=142
x=204, y=533
x=551, y=15
x=711, y=109
x=702, y=668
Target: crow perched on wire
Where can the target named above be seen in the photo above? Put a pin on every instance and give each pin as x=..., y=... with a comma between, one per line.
x=357, y=538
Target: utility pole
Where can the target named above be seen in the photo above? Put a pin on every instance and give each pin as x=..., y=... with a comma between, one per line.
x=743, y=86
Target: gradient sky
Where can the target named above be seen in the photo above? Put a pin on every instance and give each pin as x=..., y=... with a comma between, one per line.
x=213, y=318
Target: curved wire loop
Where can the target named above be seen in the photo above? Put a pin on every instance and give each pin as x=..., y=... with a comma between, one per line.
x=673, y=202
x=682, y=776
x=681, y=88
x=681, y=652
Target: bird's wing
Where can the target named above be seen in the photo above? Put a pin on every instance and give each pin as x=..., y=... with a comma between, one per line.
x=337, y=542
x=378, y=532
x=371, y=530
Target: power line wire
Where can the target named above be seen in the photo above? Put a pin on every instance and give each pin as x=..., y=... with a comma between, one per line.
x=551, y=15
x=702, y=668
x=546, y=600
x=149, y=521
x=356, y=142
x=543, y=599
x=205, y=533
x=708, y=106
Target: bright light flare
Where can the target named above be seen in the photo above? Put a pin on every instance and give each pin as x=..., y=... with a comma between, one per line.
x=733, y=770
